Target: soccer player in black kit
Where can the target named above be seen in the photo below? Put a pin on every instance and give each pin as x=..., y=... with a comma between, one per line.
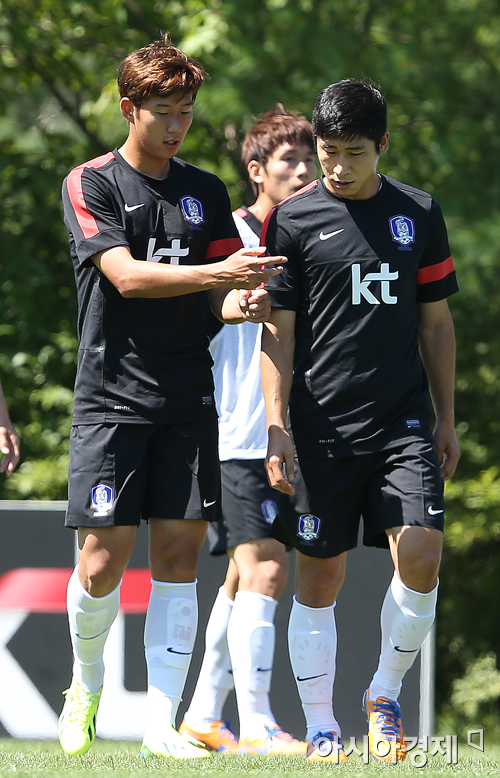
x=359, y=332
x=150, y=236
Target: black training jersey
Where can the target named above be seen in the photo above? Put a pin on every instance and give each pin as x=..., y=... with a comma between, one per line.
x=356, y=270
x=143, y=359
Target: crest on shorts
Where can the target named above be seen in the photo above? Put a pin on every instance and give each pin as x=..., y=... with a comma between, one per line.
x=309, y=526
x=102, y=498
x=192, y=210
x=402, y=229
x=270, y=510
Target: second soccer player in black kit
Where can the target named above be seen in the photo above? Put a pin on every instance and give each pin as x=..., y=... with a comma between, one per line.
x=360, y=329
x=149, y=236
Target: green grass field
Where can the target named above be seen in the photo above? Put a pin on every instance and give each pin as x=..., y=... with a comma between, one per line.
x=42, y=759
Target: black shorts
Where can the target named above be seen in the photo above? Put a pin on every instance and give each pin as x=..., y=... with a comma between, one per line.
x=398, y=486
x=122, y=473
x=249, y=505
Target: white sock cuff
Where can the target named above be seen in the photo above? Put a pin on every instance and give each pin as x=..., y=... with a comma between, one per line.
x=222, y=595
x=175, y=589
x=259, y=606
x=415, y=603
x=314, y=618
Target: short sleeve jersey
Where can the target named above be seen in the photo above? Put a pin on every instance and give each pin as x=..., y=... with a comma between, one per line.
x=238, y=388
x=143, y=359
x=356, y=272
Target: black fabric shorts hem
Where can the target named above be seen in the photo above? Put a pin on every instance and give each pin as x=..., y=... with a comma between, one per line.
x=397, y=486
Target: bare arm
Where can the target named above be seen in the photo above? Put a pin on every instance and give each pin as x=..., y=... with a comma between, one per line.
x=278, y=347
x=9, y=440
x=437, y=347
x=245, y=269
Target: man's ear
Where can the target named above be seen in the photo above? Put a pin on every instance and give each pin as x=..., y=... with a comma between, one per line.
x=127, y=109
x=384, y=143
x=255, y=169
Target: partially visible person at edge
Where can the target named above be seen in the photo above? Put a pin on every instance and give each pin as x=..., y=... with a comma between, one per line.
x=149, y=235
x=9, y=439
x=368, y=273
x=278, y=154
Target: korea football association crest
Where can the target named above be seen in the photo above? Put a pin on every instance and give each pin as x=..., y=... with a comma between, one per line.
x=402, y=230
x=309, y=527
x=192, y=210
x=102, y=498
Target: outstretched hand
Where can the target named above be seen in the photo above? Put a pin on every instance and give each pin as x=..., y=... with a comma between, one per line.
x=248, y=268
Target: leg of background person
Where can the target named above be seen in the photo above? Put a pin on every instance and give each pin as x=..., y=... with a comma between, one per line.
x=263, y=570
x=215, y=680
x=312, y=639
x=409, y=606
x=171, y=620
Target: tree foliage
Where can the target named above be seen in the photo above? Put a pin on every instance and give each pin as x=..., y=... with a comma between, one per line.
x=438, y=64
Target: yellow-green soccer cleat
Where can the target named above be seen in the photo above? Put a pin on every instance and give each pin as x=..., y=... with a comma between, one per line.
x=77, y=720
x=174, y=747
x=386, y=738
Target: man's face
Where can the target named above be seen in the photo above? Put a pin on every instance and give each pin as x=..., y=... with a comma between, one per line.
x=288, y=169
x=350, y=167
x=160, y=124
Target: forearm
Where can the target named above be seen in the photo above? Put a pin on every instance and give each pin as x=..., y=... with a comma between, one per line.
x=276, y=372
x=155, y=280
x=437, y=348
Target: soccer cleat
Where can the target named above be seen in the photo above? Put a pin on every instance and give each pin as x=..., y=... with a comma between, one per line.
x=219, y=737
x=276, y=742
x=326, y=747
x=385, y=729
x=176, y=747
x=77, y=719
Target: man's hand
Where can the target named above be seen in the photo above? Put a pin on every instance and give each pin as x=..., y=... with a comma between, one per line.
x=280, y=460
x=255, y=305
x=447, y=449
x=248, y=268
x=9, y=447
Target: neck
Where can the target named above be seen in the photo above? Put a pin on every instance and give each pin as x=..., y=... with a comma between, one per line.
x=149, y=166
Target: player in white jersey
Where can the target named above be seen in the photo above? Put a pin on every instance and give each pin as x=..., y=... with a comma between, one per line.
x=240, y=637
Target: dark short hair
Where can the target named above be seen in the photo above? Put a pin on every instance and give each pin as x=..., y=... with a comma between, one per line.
x=350, y=109
x=272, y=130
x=158, y=69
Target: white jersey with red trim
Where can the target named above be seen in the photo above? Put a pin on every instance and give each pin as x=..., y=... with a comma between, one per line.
x=144, y=359
x=238, y=388
x=356, y=272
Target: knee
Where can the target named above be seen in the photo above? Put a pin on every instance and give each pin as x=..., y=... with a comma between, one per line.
x=319, y=584
x=178, y=563
x=100, y=577
x=420, y=572
x=267, y=577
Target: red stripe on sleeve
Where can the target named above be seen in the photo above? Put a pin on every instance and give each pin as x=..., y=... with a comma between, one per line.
x=86, y=221
x=435, y=272
x=223, y=248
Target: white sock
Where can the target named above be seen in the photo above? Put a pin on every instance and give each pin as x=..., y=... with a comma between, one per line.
x=406, y=619
x=169, y=636
x=312, y=642
x=90, y=619
x=251, y=639
x=215, y=680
